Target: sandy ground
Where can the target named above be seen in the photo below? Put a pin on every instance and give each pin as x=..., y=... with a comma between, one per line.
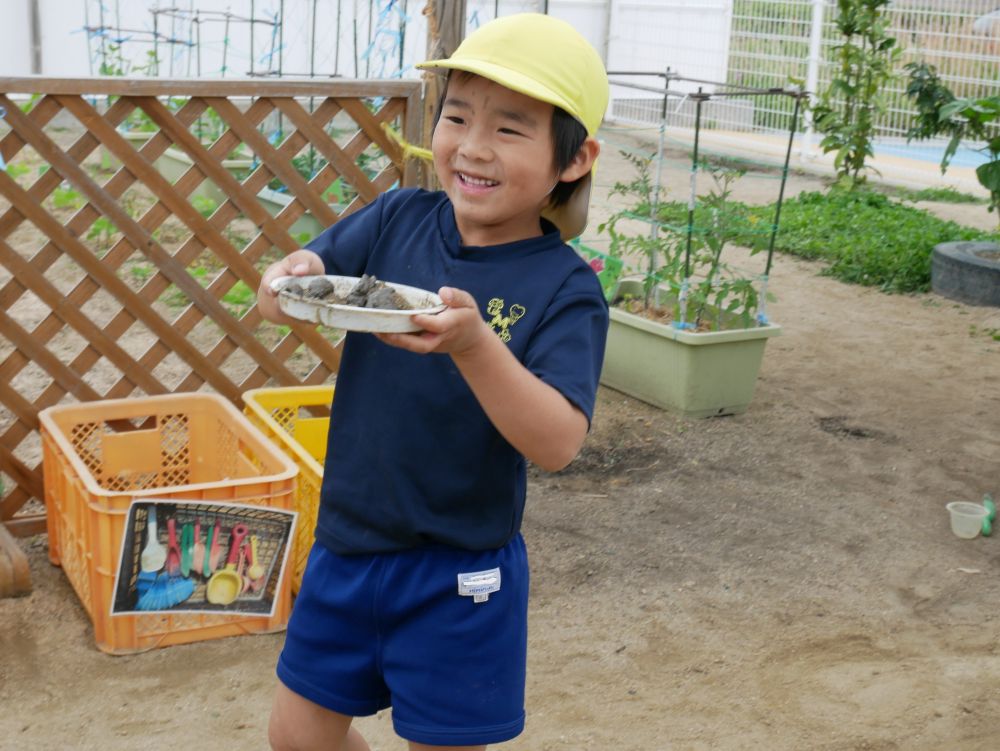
x=780, y=580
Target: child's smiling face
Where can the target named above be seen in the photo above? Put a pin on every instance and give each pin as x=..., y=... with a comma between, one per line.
x=494, y=155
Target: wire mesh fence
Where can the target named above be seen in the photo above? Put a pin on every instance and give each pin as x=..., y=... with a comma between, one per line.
x=773, y=42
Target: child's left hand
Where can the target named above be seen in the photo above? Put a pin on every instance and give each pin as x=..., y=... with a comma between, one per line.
x=456, y=330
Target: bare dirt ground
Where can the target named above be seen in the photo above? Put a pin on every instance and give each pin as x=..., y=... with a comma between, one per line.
x=780, y=580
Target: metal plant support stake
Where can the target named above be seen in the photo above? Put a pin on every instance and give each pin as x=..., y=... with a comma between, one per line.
x=692, y=202
x=762, y=307
x=654, y=226
x=720, y=91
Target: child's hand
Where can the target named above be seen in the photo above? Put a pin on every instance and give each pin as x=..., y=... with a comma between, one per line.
x=298, y=263
x=455, y=330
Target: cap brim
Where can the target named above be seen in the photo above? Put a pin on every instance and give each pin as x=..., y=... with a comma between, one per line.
x=571, y=217
x=511, y=79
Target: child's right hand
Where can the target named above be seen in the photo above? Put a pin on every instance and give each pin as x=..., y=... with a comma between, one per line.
x=299, y=263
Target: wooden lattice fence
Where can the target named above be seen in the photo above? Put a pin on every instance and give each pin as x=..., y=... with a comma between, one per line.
x=122, y=273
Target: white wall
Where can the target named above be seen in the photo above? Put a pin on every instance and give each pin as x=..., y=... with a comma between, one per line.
x=15, y=39
x=689, y=36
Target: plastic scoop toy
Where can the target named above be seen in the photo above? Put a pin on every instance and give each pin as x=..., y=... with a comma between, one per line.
x=226, y=584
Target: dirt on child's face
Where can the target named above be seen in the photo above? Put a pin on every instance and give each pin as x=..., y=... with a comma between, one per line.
x=494, y=155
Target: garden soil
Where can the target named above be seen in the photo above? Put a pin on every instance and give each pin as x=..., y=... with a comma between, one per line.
x=783, y=580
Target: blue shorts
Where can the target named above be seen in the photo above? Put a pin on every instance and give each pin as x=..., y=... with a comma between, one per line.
x=439, y=634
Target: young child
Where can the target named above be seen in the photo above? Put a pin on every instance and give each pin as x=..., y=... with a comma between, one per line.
x=416, y=591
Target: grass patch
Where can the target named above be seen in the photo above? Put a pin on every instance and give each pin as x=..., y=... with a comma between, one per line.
x=938, y=195
x=865, y=236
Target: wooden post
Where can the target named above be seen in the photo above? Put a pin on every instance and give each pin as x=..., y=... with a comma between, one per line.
x=15, y=577
x=35, y=30
x=445, y=31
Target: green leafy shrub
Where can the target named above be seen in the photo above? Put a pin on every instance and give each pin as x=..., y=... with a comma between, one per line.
x=866, y=237
x=971, y=118
x=864, y=66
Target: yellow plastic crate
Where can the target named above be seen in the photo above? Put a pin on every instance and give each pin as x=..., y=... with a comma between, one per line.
x=98, y=457
x=297, y=419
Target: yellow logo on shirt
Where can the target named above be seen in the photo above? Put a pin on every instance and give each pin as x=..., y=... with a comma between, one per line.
x=501, y=323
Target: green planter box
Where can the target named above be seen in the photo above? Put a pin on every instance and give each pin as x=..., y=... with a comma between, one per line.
x=697, y=374
x=173, y=163
x=306, y=224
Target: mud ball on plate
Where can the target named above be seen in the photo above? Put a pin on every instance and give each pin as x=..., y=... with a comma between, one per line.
x=319, y=288
x=387, y=298
x=369, y=292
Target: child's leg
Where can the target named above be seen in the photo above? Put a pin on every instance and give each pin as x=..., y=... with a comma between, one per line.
x=298, y=724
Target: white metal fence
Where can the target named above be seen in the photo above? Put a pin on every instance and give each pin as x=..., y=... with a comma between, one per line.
x=774, y=41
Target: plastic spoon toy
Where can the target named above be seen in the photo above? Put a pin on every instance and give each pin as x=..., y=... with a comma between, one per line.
x=154, y=555
x=213, y=552
x=256, y=570
x=198, y=556
x=173, y=549
x=187, y=548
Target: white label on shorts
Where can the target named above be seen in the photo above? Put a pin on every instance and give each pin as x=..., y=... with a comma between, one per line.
x=479, y=584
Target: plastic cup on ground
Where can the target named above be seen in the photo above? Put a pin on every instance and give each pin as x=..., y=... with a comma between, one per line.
x=966, y=518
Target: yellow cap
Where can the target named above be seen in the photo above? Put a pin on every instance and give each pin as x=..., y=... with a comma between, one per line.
x=547, y=59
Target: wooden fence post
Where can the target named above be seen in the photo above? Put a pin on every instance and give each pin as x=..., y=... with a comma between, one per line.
x=445, y=30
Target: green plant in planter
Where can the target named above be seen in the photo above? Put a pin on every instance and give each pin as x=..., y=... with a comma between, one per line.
x=718, y=287
x=970, y=118
x=682, y=254
x=626, y=244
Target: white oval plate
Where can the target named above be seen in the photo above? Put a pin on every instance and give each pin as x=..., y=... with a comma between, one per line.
x=351, y=317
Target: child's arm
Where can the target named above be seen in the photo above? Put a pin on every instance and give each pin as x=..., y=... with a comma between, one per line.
x=298, y=263
x=533, y=416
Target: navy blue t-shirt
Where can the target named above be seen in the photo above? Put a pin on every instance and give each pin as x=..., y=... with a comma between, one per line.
x=412, y=458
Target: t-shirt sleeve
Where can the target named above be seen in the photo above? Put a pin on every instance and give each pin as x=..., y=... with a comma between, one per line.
x=567, y=349
x=346, y=245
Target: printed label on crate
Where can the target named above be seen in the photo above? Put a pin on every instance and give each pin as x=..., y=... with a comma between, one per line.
x=198, y=557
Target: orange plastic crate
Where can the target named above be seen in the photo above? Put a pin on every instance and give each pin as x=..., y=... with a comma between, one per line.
x=297, y=419
x=100, y=456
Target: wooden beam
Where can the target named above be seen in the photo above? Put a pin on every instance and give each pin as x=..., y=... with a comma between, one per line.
x=229, y=87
